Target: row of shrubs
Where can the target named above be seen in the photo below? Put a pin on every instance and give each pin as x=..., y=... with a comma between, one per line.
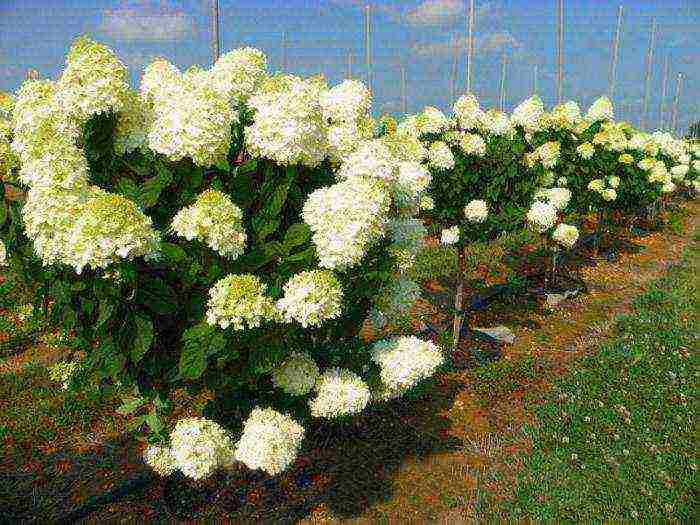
x=233, y=230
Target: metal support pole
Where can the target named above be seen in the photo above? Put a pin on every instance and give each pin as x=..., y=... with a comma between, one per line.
x=453, y=76
x=215, y=47
x=674, y=117
x=647, y=76
x=664, y=87
x=615, y=53
x=502, y=102
x=470, y=44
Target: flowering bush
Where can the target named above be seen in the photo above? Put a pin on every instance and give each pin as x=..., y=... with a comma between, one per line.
x=225, y=229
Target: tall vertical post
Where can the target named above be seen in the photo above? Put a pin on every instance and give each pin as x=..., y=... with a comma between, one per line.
x=368, y=51
x=470, y=44
x=615, y=54
x=664, y=87
x=215, y=48
x=560, y=51
x=404, y=99
x=535, y=80
x=502, y=101
x=453, y=76
x=284, y=51
x=647, y=76
x=674, y=117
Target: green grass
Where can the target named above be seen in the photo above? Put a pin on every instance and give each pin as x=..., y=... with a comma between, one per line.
x=615, y=438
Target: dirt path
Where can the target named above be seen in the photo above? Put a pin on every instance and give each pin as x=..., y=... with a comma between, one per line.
x=449, y=487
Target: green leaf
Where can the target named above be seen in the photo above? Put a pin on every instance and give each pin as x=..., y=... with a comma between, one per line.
x=274, y=205
x=305, y=256
x=130, y=405
x=155, y=295
x=106, y=309
x=297, y=234
x=223, y=165
x=265, y=227
x=199, y=342
x=3, y=213
x=154, y=421
x=247, y=167
x=128, y=188
x=131, y=427
x=173, y=252
x=143, y=339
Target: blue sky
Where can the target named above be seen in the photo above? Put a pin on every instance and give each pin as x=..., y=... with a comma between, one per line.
x=417, y=33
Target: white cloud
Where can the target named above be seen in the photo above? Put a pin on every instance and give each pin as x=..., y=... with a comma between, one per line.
x=155, y=26
x=497, y=41
x=436, y=13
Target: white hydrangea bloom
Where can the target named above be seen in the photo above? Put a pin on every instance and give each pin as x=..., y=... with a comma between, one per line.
x=132, y=123
x=237, y=74
x=557, y=197
x=405, y=361
x=561, y=181
x=527, y=114
x=288, y=124
x=449, y=236
x=668, y=187
x=339, y=392
x=440, y=156
x=372, y=159
x=239, y=300
x=426, y=203
x=216, y=221
x=476, y=211
x=405, y=148
x=346, y=219
x=270, y=441
x=609, y=194
x=199, y=446
x=473, y=144
x=94, y=81
x=566, y=116
x=108, y=229
x=311, y=297
x=548, y=154
x=596, y=185
x=413, y=178
x=613, y=181
x=3, y=254
x=346, y=102
x=497, y=123
x=542, y=216
x=586, y=150
x=55, y=163
x=408, y=126
x=297, y=375
x=343, y=139
x=679, y=171
x=431, y=120
x=468, y=112
x=566, y=235
x=601, y=109
x=160, y=459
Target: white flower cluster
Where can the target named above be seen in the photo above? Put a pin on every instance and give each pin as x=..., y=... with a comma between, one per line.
x=586, y=150
x=237, y=74
x=467, y=112
x=668, y=145
x=94, y=81
x=297, y=375
x=476, y=211
x=557, y=197
x=527, y=114
x=440, y=156
x=449, y=236
x=431, y=120
x=339, y=392
x=566, y=116
x=566, y=235
x=216, y=221
x=270, y=441
x=347, y=102
x=346, y=219
x=372, y=159
x=109, y=228
x=542, y=216
x=311, y=297
x=548, y=154
x=186, y=116
x=497, y=124
x=395, y=302
x=3, y=254
x=605, y=188
x=472, y=144
x=198, y=447
x=612, y=137
x=601, y=109
x=288, y=124
x=160, y=459
x=239, y=300
x=403, y=363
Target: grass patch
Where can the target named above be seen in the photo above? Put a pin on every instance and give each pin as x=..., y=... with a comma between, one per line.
x=503, y=377
x=615, y=438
